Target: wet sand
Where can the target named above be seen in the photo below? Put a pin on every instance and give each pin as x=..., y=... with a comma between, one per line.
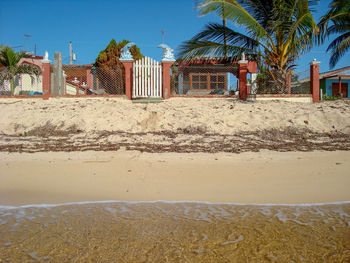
x=175, y=232
x=263, y=177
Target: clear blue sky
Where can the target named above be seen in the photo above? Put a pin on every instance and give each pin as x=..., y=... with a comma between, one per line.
x=90, y=25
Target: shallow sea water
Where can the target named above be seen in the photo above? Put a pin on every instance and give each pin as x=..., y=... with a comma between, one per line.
x=175, y=232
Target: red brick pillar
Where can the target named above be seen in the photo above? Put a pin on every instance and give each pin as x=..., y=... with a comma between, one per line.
x=46, y=78
x=89, y=80
x=243, y=69
x=166, y=65
x=339, y=88
x=127, y=63
x=315, y=80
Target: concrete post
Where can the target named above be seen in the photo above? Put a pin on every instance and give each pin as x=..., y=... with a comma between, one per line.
x=315, y=80
x=127, y=63
x=243, y=69
x=166, y=65
x=58, y=88
x=181, y=82
x=254, y=86
x=46, y=77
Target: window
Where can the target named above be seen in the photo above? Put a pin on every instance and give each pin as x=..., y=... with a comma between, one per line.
x=208, y=81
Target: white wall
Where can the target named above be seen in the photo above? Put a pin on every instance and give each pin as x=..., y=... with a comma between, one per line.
x=71, y=90
x=26, y=84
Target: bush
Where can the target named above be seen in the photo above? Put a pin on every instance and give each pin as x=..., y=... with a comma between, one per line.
x=327, y=97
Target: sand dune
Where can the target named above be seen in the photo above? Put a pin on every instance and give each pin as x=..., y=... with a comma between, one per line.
x=219, y=116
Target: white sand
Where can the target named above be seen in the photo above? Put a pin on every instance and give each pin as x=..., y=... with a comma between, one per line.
x=264, y=177
x=222, y=116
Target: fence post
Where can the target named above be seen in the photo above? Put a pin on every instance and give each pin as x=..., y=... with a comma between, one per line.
x=127, y=63
x=166, y=65
x=243, y=69
x=254, y=85
x=315, y=80
x=46, y=77
x=57, y=87
x=89, y=79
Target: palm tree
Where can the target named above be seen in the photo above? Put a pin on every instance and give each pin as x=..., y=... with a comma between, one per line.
x=336, y=22
x=277, y=32
x=9, y=60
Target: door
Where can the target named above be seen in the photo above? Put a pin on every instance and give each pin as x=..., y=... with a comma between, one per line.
x=344, y=90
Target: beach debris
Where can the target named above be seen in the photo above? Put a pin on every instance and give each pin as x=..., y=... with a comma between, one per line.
x=240, y=238
x=33, y=255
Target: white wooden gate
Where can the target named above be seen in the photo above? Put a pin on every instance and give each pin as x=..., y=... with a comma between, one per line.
x=147, y=78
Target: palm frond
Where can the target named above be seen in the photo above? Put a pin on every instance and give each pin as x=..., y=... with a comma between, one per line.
x=215, y=32
x=28, y=69
x=212, y=38
x=339, y=13
x=262, y=11
x=338, y=47
x=192, y=50
x=5, y=74
x=277, y=31
x=234, y=12
x=8, y=57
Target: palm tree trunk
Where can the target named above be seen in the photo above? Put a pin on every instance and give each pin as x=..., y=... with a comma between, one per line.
x=12, y=84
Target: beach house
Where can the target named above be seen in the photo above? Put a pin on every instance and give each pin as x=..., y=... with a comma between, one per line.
x=206, y=76
x=336, y=83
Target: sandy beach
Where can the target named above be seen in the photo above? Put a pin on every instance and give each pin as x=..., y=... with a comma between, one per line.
x=89, y=149
x=264, y=177
x=81, y=181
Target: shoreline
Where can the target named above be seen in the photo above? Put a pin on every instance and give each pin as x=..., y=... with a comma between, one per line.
x=264, y=178
x=4, y=207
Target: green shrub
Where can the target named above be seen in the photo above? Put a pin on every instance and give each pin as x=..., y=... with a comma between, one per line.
x=327, y=97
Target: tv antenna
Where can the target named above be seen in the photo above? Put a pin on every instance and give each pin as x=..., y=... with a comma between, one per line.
x=72, y=56
x=27, y=36
x=163, y=33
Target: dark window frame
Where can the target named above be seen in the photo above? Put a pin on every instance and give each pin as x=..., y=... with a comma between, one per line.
x=208, y=81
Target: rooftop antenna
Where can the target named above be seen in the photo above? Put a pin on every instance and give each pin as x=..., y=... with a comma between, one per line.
x=70, y=53
x=163, y=33
x=27, y=36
